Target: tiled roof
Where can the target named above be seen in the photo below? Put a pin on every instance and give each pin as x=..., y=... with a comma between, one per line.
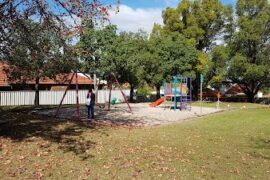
x=3, y=76
x=60, y=79
x=234, y=90
x=210, y=93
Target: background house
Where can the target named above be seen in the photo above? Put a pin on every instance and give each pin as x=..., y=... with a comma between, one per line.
x=210, y=94
x=59, y=83
x=234, y=91
x=4, y=85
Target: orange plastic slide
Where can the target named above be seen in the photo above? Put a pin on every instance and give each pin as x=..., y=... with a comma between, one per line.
x=157, y=102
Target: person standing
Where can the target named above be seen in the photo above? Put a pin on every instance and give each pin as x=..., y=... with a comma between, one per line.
x=90, y=103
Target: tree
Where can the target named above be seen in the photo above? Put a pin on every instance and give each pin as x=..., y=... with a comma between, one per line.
x=62, y=15
x=249, y=64
x=122, y=56
x=37, y=53
x=167, y=55
x=152, y=62
x=93, y=43
x=202, y=22
x=32, y=32
x=219, y=66
x=105, y=51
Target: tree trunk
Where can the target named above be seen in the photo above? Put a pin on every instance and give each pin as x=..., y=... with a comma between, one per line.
x=250, y=92
x=196, y=87
x=251, y=97
x=37, y=92
x=158, y=91
x=131, y=95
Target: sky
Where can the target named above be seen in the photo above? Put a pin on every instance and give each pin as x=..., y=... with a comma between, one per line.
x=142, y=14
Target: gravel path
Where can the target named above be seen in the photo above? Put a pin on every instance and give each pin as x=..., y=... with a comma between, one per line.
x=142, y=114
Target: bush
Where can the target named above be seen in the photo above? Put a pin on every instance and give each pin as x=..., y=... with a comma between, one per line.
x=143, y=90
x=266, y=90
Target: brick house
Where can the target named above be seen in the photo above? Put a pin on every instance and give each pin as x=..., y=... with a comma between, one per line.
x=59, y=83
x=235, y=91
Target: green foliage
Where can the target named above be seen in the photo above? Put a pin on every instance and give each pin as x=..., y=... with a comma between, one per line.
x=151, y=60
x=38, y=53
x=217, y=74
x=104, y=51
x=93, y=43
x=200, y=21
x=143, y=90
x=60, y=15
x=136, y=59
x=204, y=63
x=244, y=59
x=266, y=90
x=168, y=55
x=250, y=55
x=122, y=56
x=179, y=56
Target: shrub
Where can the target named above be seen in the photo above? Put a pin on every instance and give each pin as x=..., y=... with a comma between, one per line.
x=143, y=90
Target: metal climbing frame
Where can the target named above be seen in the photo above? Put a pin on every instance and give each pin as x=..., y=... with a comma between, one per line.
x=180, y=91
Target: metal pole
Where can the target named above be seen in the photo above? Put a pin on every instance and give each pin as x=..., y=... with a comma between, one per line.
x=122, y=92
x=186, y=98
x=181, y=93
x=190, y=95
x=61, y=102
x=77, y=98
x=110, y=93
x=171, y=93
x=175, y=92
x=164, y=87
x=218, y=101
x=201, y=97
x=95, y=87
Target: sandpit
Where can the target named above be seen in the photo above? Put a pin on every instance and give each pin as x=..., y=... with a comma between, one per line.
x=142, y=114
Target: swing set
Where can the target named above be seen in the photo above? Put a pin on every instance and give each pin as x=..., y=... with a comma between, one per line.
x=111, y=79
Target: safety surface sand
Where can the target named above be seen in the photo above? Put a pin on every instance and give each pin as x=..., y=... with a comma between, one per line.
x=142, y=114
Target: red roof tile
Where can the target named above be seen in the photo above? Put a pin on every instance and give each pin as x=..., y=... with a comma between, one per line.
x=234, y=90
x=60, y=79
x=210, y=93
x=3, y=76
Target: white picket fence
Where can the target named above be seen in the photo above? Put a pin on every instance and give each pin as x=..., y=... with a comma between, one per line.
x=18, y=98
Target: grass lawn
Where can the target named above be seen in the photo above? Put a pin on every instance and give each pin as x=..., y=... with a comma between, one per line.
x=228, y=145
x=228, y=105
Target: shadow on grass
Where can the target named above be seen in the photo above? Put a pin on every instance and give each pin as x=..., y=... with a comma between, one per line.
x=20, y=126
x=262, y=147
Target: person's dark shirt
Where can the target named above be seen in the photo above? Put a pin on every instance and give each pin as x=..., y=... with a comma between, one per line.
x=93, y=97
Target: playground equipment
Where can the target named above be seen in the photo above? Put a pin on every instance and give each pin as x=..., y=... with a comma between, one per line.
x=112, y=79
x=178, y=90
x=75, y=74
x=157, y=102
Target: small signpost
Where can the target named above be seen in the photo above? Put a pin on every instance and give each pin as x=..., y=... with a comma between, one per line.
x=218, y=101
x=201, y=83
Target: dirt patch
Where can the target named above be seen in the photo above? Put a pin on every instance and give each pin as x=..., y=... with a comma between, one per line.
x=142, y=114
